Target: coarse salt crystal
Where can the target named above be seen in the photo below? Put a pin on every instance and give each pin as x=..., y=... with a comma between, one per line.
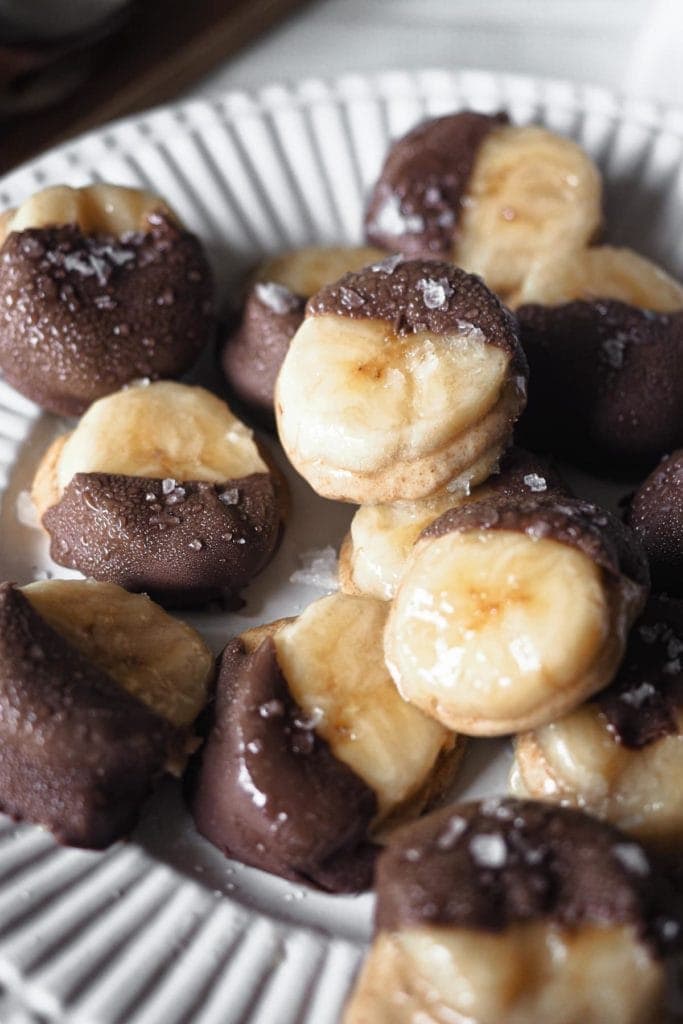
x=535, y=482
x=489, y=850
x=632, y=858
x=318, y=568
x=276, y=297
x=230, y=497
x=435, y=293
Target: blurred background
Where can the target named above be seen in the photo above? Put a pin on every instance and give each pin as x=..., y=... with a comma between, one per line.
x=68, y=65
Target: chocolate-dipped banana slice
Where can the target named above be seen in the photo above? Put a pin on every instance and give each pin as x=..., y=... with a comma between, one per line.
x=607, y=387
x=312, y=753
x=512, y=611
x=381, y=537
x=403, y=378
x=99, y=690
x=98, y=286
x=600, y=272
x=656, y=517
x=160, y=488
x=273, y=310
x=491, y=196
x=514, y=912
x=621, y=755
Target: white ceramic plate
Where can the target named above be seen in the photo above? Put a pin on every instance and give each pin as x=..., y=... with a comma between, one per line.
x=164, y=930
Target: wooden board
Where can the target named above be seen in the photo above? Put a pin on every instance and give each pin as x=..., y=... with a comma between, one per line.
x=163, y=47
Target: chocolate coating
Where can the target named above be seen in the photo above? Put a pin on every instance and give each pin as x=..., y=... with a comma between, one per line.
x=593, y=530
x=184, y=546
x=416, y=203
x=420, y=295
x=656, y=517
x=269, y=790
x=252, y=355
x=606, y=383
x=644, y=702
x=78, y=753
x=85, y=314
x=484, y=866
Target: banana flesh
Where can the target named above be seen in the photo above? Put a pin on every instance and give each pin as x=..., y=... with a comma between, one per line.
x=601, y=272
x=441, y=975
x=331, y=657
x=111, y=209
x=164, y=430
x=481, y=634
x=154, y=657
x=306, y=271
x=577, y=761
x=381, y=539
x=531, y=193
x=367, y=416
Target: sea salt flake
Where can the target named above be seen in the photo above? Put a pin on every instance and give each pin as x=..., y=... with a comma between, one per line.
x=535, y=482
x=350, y=298
x=674, y=647
x=318, y=568
x=168, y=484
x=392, y=220
x=613, y=352
x=632, y=858
x=489, y=850
x=650, y=634
x=230, y=497
x=388, y=265
x=449, y=835
x=435, y=293
x=271, y=709
x=196, y=544
x=669, y=929
x=276, y=297
x=636, y=697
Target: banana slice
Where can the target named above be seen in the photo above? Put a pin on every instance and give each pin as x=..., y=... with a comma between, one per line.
x=601, y=272
x=112, y=209
x=306, y=271
x=331, y=657
x=481, y=635
x=398, y=382
x=314, y=756
x=491, y=196
x=381, y=537
x=531, y=194
x=161, y=489
x=163, y=430
x=159, y=660
x=273, y=311
x=99, y=692
x=440, y=976
x=620, y=756
x=519, y=912
x=99, y=286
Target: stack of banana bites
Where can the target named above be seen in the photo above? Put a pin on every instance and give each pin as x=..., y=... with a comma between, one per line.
x=159, y=491
x=478, y=595
x=476, y=586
